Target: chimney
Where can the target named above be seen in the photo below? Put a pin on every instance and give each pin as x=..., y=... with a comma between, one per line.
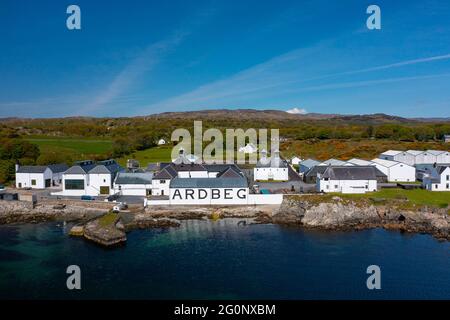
x=17, y=166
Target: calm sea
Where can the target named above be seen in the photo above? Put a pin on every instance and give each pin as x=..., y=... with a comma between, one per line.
x=220, y=260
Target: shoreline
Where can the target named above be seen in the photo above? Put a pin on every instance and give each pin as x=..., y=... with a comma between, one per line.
x=334, y=214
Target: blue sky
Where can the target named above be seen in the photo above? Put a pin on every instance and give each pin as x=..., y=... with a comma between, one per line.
x=143, y=57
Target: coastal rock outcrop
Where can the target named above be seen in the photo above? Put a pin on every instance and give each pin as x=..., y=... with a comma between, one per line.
x=343, y=215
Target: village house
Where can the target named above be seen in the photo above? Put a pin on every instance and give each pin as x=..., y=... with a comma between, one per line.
x=396, y=171
x=271, y=168
x=39, y=177
x=161, y=142
x=347, y=179
x=438, y=179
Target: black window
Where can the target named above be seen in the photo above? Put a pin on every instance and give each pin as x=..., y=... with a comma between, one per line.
x=162, y=181
x=74, y=184
x=33, y=182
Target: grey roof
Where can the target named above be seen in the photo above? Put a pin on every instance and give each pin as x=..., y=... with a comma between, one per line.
x=59, y=167
x=166, y=173
x=209, y=183
x=32, y=169
x=188, y=167
x=230, y=172
x=309, y=163
x=350, y=173
x=134, y=178
x=100, y=169
x=75, y=170
x=153, y=167
x=315, y=170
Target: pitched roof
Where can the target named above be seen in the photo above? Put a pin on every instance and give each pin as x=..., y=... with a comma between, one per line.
x=333, y=162
x=153, y=167
x=75, y=170
x=229, y=173
x=391, y=152
x=188, y=167
x=166, y=173
x=414, y=152
x=134, y=178
x=350, y=173
x=315, y=170
x=271, y=162
x=100, y=169
x=309, y=163
x=361, y=162
x=209, y=183
x=59, y=167
x=32, y=169
x=436, y=152
x=387, y=163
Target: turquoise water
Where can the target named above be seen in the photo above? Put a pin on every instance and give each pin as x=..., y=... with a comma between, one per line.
x=220, y=260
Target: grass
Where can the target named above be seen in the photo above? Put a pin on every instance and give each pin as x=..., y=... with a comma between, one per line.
x=418, y=197
x=108, y=219
x=76, y=148
x=156, y=154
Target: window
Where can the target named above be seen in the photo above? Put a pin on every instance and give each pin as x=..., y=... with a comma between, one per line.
x=447, y=186
x=448, y=177
x=367, y=187
x=436, y=186
x=104, y=180
x=74, y=184
x=33, y=182
x=162, y=181
x=104, y=190
x=328, y=187
x=335, y=186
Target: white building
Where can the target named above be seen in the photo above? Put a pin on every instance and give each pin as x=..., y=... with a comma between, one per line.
x=39, y=177
x=296, y=160
x=407, y=157
x=347, y=179
x=89, y=178
x=133, y=183
x=161, y=142
x=396, y=171
x=441, y=156
x=446, y=138
x=271, y=169
x=438, y=179
x=249, y=148
x=36, y=177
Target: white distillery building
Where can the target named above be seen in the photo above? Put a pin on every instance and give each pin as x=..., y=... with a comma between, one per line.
x=296, y=160
x=438, y=179
x=89, y=178
x=271, y=169
x=407, y=157
x=396, y=171
x=347, y=179
x=133, y=183
x=35, y=177
x=39, y=177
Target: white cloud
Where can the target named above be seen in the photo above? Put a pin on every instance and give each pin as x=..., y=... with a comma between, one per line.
x=297, y=111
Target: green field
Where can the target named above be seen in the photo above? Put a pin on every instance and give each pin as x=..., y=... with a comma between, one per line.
x=418, y=197
x=72, y=149
x=156, y=154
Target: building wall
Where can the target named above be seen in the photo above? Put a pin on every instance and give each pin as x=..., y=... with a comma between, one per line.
x=69, y=192
x=278, y=174
x=405, y=157
x=25, y=179
x=400, y=172
x=159, y=189
x=132, y=189
x=208, y=196
x=425, y=157
x=443, y=158
x=97, y=180
x=346, y=186
x=57, y=178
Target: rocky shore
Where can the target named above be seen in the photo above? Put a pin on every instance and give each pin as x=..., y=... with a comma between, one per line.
x=297, y=210
x=340, y=214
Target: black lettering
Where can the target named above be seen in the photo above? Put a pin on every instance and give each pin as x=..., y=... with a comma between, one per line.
x=205, y=194
x=240, y=195
x=190, y=193
x=177, y=194
x=227, y=194
x=215, y=193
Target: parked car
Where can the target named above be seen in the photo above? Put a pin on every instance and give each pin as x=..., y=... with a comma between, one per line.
x=87, y=198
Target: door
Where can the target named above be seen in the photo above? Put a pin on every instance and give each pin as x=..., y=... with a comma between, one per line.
x=104, y=190
x=48, y=183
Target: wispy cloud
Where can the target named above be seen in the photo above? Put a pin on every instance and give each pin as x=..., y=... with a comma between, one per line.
x=144, y=62
x=284, y=73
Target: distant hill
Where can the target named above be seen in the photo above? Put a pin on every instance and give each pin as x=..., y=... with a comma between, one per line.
x=278, y=115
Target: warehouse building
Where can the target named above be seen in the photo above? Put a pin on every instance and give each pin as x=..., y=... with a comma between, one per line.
x=396, y=171
x=133, y=183
x=39, y=177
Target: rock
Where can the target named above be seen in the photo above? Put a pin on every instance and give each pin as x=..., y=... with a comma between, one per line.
x=77, y=231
